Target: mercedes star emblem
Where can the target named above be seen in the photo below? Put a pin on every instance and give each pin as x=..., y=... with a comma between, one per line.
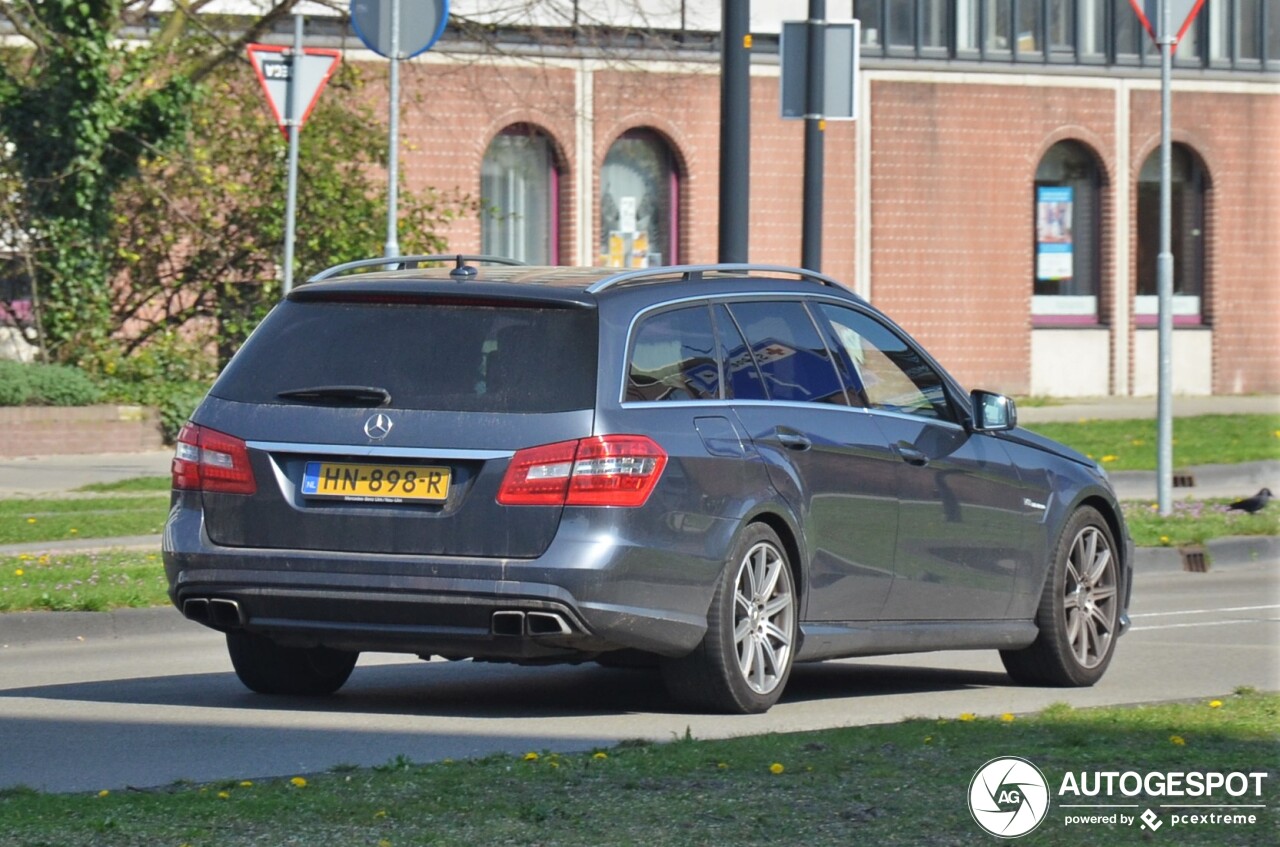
x=378, y=427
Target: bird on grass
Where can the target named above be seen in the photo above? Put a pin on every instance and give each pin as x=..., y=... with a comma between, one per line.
x=1253, y=504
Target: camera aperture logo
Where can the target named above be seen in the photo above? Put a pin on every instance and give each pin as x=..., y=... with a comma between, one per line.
x=1008, y=797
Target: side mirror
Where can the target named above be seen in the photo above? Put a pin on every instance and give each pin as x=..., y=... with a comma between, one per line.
x=992, y=412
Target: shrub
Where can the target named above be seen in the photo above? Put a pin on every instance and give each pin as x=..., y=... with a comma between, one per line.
x=14, y=386
x=45, y=385
x=170, y=374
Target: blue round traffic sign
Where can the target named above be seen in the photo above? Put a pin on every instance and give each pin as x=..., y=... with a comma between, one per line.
x=421, y=22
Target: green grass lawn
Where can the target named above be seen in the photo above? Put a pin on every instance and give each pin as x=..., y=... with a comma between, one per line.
x=1195, y=522
x=83, y=582
x=31, y=521
x=1130, y=445
x=898, y=784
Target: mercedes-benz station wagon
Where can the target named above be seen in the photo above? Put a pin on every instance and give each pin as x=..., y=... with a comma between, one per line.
x=719, y=470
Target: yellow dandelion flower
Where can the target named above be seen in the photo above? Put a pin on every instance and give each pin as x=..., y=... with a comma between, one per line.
x=19, y=572
x=776, y=768
x=1007, y=717
x=722, y=765
x=31, y=520
x=103, y=793
x=75, y=531
x=298, y=782
x=224, y=795
x=448, y=761
x=1215, y=704
x=554, y=764
x=968, y=716
x=1278, y=433
x=928, y=739
x=531, y=756
x=1137, y=442
x=600, y=755
x=381, y=813
x=246, y=783
x=1177, y=741
x=1109, y=458
x=1164, y=539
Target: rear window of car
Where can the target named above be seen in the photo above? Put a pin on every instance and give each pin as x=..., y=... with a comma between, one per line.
x=465, y=358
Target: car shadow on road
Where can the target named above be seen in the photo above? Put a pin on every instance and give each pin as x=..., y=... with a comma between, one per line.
x=492, y=691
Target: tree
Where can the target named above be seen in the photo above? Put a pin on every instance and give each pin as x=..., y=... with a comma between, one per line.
x=92, y=96
x=199, y=232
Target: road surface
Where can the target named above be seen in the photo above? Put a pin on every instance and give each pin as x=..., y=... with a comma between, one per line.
x=158, y=702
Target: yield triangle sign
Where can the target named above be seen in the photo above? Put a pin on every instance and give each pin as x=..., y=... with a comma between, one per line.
x=275, y=65
x=1181, y=14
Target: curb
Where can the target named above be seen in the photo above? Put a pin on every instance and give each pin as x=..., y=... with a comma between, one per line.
x=1230, y=552
x=23, y=628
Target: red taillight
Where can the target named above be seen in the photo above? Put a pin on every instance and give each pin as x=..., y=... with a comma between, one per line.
x=207, y=460
x=607, y=470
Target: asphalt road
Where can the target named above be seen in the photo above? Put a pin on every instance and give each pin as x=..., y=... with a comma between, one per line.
x=157, y=701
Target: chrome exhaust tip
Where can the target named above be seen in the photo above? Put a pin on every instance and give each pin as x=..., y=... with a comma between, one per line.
x=507, y=623
x=547, y=623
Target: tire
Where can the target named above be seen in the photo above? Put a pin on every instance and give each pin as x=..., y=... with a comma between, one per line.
x=1079, y=614
x=267, y=668
x=743, y=662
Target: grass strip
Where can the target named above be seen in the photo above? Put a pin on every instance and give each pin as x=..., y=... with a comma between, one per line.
x=133, y=484
x=1194, y=522
x=83, y=582
x=904, y=783
x=31, y=521
x=1130, y=445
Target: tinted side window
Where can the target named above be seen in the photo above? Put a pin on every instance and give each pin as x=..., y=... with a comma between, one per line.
x=890, y=373
x=791, y=355
x=742, y=380
x=674, y=357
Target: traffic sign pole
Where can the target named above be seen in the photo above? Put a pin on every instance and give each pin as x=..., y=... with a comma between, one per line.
x=293, y=113
x=1164, y=271
x=392, y=246
x=814, y=142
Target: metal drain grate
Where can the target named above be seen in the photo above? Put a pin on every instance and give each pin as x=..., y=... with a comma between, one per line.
x=1194, y=559
x=1183, y=480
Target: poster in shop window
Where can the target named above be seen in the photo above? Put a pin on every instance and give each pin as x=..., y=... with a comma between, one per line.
x=1053, y=232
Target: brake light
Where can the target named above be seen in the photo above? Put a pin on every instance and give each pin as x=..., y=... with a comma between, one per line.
x=207, y=460
x=606, y=470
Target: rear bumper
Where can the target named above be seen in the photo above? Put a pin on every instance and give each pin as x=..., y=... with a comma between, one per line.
x=583, y=596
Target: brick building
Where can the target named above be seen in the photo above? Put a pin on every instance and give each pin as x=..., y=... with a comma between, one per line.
x=939, y=201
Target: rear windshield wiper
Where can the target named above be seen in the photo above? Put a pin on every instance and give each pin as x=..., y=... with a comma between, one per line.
x=339, y=395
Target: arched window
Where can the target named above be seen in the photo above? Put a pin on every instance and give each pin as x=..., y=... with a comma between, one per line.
x=1187, y=183
x=519, y=197
x=639, y=196
x=1067, y=266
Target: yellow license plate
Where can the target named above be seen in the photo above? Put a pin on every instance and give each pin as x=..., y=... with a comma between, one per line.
x=360, y=482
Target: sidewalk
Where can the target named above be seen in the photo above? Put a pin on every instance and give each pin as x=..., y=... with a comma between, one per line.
x=35, y=476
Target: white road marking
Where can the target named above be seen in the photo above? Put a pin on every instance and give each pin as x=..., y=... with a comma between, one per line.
x=1207, y=611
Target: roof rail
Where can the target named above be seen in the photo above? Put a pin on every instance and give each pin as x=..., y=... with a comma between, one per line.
x=403, y=263
x=693, y=273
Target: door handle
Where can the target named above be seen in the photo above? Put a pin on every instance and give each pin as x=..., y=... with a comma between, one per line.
x=792, y=440
x=912, y=456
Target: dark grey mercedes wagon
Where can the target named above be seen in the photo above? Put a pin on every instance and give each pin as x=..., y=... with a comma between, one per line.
x=721, y=470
